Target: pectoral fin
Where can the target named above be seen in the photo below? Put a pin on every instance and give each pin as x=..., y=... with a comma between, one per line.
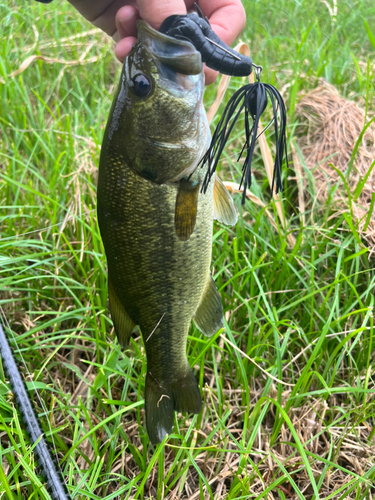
x=209, y=315
x=186, y=208
x=224, y=210
x=124, y=326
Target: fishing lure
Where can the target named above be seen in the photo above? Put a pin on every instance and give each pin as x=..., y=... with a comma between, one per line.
x=252, y=98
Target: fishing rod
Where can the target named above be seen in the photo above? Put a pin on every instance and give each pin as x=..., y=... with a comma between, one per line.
x=51, y=472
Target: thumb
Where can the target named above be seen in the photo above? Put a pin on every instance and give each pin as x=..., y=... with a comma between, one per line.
x=155, y=11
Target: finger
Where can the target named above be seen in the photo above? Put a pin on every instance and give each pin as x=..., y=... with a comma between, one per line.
x=91, y=10
x=155, y=11
x=124, y=47
x=106, y=19
x=210, y=75
x=227, y=18
x=126, y=22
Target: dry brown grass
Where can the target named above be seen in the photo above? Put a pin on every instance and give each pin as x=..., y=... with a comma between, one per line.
x=330, y=126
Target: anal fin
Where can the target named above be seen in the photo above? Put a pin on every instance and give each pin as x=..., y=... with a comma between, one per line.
x=224, y=210
x=124, y=326
x=186, y=208
x=209, y=315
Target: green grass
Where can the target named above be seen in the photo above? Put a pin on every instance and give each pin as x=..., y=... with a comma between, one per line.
x=288, y=384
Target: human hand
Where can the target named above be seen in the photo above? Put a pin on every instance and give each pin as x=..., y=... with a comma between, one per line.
x=119, y=18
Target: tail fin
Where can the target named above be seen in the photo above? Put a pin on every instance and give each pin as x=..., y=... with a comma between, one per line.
x=162, y=399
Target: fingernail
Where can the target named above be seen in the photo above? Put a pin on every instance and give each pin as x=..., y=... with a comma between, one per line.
x=127, y=16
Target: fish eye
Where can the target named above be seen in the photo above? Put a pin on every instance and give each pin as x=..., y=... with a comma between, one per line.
x=142, y=85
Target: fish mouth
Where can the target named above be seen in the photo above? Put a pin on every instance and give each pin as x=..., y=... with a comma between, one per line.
x=178, y=55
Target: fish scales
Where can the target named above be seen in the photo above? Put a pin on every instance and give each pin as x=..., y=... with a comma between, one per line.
x=175, y=271
x=155, y=222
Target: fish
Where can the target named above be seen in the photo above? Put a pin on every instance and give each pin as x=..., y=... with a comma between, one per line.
x=156, y=223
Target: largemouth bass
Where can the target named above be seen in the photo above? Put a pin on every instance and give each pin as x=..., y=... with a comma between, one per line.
x=155, y=222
